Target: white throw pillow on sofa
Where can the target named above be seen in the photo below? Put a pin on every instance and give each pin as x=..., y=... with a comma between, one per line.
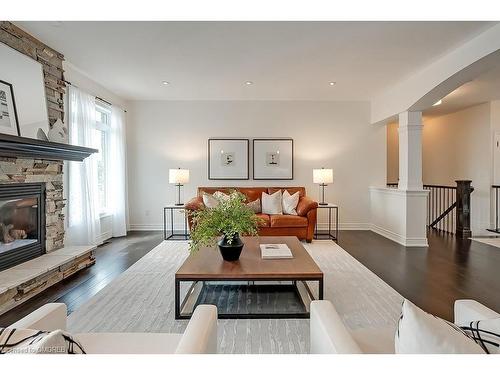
x=290, y=203
x=271, y=204
x=255, y=206
x=212, y=200
x=422, y=333
x=31, y=341
x=486, y=333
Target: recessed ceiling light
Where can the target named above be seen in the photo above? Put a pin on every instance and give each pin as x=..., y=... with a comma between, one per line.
x=249, y=83
x=332, y=83
x=166, y=83
x=437, y=103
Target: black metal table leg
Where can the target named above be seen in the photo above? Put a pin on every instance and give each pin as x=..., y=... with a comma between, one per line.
x=177, y=299
x=320, y=289
x=164, y=223
x=329, y=222
x=171, y=222
x=337, y=225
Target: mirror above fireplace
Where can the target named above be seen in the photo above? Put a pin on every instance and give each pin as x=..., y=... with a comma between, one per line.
x=25, y=99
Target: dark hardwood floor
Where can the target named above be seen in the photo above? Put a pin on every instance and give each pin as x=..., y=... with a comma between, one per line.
x=433, y=277
x=111, y=260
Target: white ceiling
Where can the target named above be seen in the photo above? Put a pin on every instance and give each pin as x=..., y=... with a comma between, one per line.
x=483, y=89
x=285, y=60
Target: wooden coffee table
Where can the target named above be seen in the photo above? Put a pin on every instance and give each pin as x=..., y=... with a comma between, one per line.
x=206, y=267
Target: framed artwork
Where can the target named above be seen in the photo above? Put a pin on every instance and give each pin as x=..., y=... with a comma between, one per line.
x=228, y=159
x=9, y=123
x=273, y=159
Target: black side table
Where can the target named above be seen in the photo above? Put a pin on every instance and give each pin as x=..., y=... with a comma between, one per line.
x=330, y=234
x=169, y=232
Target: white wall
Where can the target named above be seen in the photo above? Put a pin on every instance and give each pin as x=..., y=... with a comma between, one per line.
x=89, y=85
x=170, y=134
x=399, y=215
x=456, y=146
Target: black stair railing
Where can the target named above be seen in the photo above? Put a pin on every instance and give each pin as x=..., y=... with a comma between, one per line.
x=448, y=207
x=496, y=193
x=441, y=207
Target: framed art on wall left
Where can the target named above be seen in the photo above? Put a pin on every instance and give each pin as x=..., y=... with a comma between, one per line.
x=9, y=123
x=228, y=159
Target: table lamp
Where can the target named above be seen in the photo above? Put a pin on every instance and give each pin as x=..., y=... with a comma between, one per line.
x=323, y=177
x=178, y=177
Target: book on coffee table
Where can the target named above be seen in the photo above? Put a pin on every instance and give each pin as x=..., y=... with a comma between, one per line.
x=275, y=251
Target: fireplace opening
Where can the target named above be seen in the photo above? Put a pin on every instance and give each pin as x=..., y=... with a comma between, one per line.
x=22, y=217
x=18, y=223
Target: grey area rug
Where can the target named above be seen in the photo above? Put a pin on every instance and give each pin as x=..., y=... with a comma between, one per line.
x=142, y=300
x=493, y=241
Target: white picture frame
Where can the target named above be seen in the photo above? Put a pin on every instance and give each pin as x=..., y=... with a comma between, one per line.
x=273, y=159
x=228, y=159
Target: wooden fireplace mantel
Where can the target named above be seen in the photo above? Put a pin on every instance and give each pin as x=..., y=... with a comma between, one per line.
x=22, y=147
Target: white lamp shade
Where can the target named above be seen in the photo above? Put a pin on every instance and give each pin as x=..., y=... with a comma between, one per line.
x=322, y=176
x=178, y=176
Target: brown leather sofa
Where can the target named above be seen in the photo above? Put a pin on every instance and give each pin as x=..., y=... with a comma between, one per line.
x=301, y=226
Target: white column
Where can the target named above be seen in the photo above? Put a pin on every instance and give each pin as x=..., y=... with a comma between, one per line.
x=410, y=151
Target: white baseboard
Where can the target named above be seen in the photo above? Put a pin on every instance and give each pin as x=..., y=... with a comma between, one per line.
x=407, y=242
x=146, y=227
x=104, y=237
x=345, y=226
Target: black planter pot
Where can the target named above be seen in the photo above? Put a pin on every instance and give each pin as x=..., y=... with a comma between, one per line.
x=231, y=251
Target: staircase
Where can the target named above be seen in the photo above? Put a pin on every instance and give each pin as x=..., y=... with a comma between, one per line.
x=496, y=193
x=448, y=207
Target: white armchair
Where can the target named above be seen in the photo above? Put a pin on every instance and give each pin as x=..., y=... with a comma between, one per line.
x=199, y=337
x=330, y=336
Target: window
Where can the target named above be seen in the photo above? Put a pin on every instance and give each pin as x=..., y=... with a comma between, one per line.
x=101, y=139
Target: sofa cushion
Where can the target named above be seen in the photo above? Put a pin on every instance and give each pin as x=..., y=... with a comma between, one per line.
x=252, y=193
x=486, y=333
x=255, y=206
x=422, y=333
x=212, y=200
x=129, y=343
x=292, y=190
x=266, y=218
x=271, y=204
x=288, y=221
x=290, y=202
x=212, y=190
x=31, y=341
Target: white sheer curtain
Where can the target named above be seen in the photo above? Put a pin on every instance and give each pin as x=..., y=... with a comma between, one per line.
x=117, y=181
x=83, y=203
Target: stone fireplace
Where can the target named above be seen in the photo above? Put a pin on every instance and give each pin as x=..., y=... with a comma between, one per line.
x=32, y=255
x=32, y=252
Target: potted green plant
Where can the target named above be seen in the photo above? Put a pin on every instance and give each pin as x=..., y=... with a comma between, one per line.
x=223, y=225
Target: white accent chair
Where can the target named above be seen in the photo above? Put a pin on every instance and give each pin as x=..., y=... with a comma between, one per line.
x=329, y=335
x=200, y=336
